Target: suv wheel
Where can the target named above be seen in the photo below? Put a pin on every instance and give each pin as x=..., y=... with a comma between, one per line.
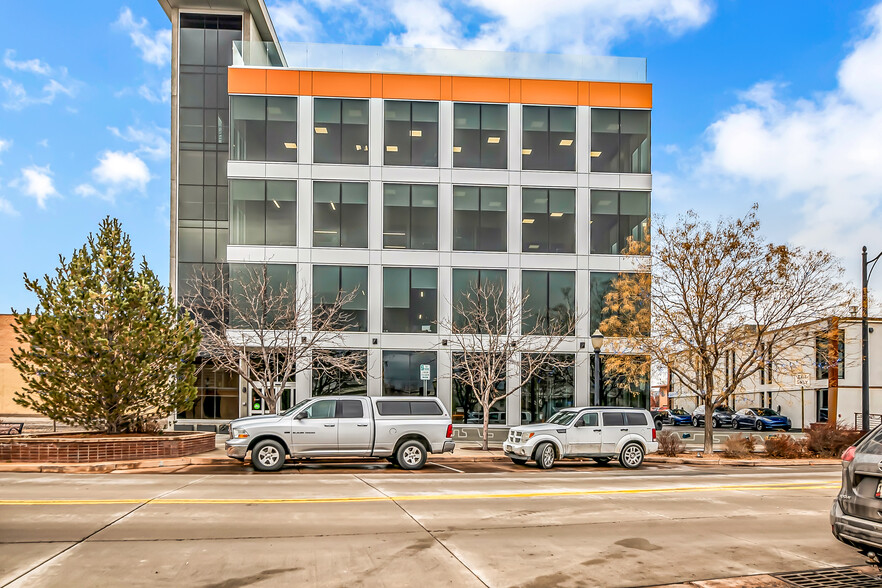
x=268, y=456
x=695, y=422
x=631, y=456
x=545, y=456
x=411, y=455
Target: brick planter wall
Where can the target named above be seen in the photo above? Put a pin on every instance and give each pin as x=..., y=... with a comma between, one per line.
x=54, y=448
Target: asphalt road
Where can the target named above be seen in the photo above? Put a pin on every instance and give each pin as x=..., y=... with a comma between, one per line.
x=491, y=525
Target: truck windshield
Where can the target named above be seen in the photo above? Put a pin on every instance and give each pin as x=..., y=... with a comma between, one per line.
x=564, y=417
x=296, y=408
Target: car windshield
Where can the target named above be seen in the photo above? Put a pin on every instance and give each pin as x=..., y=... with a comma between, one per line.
x=766, y=412
x=296, y=407
x=564, y=417
x=679, y=412
x=722, y=409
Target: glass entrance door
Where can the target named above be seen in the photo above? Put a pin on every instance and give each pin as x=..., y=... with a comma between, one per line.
x=257, y=405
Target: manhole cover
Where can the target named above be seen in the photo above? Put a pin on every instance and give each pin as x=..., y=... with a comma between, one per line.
x=834, y=578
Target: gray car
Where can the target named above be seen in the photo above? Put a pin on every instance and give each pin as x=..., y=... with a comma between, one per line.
x=855, y=516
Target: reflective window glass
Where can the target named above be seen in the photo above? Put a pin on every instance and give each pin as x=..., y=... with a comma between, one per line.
x=549, y=136
x=263, y=213
x=550, y=301
x=549, y=391
x=620, y=141
x=329, y=283
x=618, y=218
x=339, y=214
x=479, y=218
x=466, y=408
x=410, y=216
x=330, y=380
x=263, y=129
x=601, y=285
x=402, y=371
x=480, y=135
x=411, y=133
x=410, y=300
x=479, y=298
x=549, y=220
x=340, y=131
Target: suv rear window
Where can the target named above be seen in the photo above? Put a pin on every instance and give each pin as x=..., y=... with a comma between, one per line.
x=404, y=408
x=635, y=418
x=613, y=419
x=872, y=442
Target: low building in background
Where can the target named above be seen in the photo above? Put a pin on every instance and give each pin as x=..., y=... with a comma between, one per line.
x=10, y=380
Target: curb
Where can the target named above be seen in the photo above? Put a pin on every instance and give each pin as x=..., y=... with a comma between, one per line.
x=743, y=462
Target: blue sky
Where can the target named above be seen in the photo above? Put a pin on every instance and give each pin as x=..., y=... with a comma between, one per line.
x=772, y=102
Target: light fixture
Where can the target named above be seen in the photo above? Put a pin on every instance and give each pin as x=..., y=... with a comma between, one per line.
x=597, y=340
x=277, y=204
x=325, y=232
x=332, y=206
x=596, y=153
x=321, y=130
x=533, y=246
x=566, y=142
x=422, y=294
x=392, y=148
x=416, y=133
x=394, y=234
x=556, y=214
x=290, y=145
x=457, y=149
x=419, y=316
x=526, y=151
x=358, y=147
x=528, y=221
x=493, y=140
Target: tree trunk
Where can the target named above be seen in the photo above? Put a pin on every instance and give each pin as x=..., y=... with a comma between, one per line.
x=485, y=445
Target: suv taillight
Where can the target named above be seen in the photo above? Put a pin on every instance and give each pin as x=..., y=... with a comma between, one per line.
x=654, y=434
x=849, y=453
x=449, y=431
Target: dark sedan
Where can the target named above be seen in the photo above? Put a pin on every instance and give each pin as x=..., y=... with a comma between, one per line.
x=674, y=416
x=760, y=419
x=722, y=417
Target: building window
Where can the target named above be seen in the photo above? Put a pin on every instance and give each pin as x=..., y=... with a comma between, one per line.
x=549, y=138
x=341, y=131
x=601, y=285
x=410, y=216
x=550, y=302
x=263, y=128
x=480, y=135
x=549, y=221
x=617, y=390
x=616, y=217
x=402, y=372
x=339, y=214
x=411, y=133
x=822, y=403
x=548, y=391
x=330, y=380
x=410, y=300
x=479, y=218
x=332, y=281
x=263, y=212
x=824, y=358
x=258, y=293
x=217, y=395
x=478, y=290
x=466, y=408
x=620, y=141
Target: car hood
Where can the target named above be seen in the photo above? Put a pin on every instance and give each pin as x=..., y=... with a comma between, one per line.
x=537, y=427
x=776, y=419
x=266, y=419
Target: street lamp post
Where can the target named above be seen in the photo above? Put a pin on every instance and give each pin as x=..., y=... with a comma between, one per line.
x=865, y=335
x=597, y=343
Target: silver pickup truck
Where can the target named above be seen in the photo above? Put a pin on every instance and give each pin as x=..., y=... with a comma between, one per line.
x=403, y=430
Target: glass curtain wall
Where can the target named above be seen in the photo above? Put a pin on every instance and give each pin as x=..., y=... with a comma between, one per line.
x=549, y=138
x=601, y=285
x=410, y=300
x=411, y=133
x=339, y=214
x=480, y=135
x=547, y=392
x=263, y=128
x=263, y=212
x=549, y=220
x=616, y=217
x=479, y=218
x=475, y=284
x=331, y=281
x=402, y=370
x=341, y=131
x=550, y=301
x=410, y=216
x=329, y=380
x=620, y=141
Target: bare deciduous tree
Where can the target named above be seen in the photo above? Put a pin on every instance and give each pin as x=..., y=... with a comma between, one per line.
x=266, y=332
x=722, y=304
x=495, y=335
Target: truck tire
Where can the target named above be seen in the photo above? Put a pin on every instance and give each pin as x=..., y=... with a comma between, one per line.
x=545, y=455
x=411, y=455
x=268, y=456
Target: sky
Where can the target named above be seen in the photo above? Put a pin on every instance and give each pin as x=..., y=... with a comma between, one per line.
x=778, y=103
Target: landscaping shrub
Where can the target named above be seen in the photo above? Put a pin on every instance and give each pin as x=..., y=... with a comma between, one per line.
x=783, y=446
x=738, y=446
x=830, y=439
x=670, y=444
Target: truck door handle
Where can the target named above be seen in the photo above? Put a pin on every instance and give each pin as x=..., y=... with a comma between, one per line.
x=598, y=430
x=362, y=424
x=330, y=425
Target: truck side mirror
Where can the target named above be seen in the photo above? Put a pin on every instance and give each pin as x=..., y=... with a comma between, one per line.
x=301, y=415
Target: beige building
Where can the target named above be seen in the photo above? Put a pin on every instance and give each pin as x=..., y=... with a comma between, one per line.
x=10, y=381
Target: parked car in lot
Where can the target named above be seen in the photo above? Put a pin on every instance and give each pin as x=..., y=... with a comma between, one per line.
x=601, y=433
x=672, y=416
x=760, y=419
x=404, y=430
x=722, y=417
x=856, y=515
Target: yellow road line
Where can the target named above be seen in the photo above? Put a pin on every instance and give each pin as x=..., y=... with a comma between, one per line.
x=416, y=497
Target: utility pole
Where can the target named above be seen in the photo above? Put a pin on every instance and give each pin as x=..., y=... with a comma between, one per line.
x=865, y=335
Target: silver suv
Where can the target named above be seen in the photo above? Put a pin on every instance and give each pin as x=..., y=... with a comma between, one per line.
x=601, y=433
x=856, y=516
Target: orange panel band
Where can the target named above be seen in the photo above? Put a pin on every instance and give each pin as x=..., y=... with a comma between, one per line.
x=284, y=82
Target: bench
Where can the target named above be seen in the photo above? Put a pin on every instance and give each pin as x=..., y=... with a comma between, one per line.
x=11, y=428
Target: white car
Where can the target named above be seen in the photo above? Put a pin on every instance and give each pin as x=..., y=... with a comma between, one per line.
x=602, y=433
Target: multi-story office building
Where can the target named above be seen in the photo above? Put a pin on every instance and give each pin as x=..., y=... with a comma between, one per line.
x=408, y=173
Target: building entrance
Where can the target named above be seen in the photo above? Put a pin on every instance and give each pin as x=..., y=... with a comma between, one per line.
x=257, y=405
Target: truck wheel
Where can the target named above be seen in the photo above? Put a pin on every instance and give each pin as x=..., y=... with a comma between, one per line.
x=631, y=456
x=411, y=455
x=268, y=456
x=545, y=456
x=519, y=462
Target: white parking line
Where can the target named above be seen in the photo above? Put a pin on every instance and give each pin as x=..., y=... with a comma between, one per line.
x=447, y=467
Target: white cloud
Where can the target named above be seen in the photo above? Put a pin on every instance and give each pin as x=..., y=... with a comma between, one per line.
x=155, y=46
x=37, y=182
x=5, y=144
x=116, y=172
x=31, y=65
x=17, y=97
x=815, y=160
x=152, y=142
x=158, y=95
x=7, y=208
x=43, y=143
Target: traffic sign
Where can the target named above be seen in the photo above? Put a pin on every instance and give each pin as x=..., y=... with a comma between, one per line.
x=425, y=372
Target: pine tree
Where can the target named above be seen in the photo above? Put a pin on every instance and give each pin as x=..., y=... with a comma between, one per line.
x=106, y=347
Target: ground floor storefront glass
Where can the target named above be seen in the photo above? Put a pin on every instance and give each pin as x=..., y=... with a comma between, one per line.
x=217, y=395
x=328, y=379
x=547, y=392
x=617, y=391
x=410, y=373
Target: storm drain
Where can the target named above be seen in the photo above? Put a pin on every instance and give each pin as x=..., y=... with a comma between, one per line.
x=833, y=578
